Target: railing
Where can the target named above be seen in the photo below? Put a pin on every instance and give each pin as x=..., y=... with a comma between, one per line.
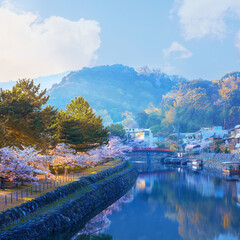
x=16, y=198
x=152, y=149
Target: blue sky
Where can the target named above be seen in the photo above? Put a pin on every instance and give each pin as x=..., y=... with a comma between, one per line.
x=193, y=38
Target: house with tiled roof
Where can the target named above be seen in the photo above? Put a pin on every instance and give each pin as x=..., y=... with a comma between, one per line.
x=232, y=142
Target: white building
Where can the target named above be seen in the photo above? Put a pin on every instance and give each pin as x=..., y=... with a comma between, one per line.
x=141, y=134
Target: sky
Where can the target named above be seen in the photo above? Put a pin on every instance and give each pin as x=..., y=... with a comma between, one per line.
x=191, y=38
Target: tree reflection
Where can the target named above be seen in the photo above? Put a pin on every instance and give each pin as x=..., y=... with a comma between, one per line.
x=201, y=205
x=94, y=228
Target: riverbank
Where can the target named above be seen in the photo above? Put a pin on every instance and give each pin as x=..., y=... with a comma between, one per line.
x=10, y=198
x=82, y=200
x=214, y=161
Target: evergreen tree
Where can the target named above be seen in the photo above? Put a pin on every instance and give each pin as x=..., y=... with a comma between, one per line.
x=80, y=127
x=23, y=121
x=117, y=130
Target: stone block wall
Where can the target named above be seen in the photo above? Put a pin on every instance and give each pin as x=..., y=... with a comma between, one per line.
x=32, y=206
x=75, y=213
x=215, y=161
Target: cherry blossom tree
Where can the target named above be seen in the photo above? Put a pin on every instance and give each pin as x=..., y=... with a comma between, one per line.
x=63, y=155
x=23, y=165
x=15, y=168
x=203, y=146
x=19, y=165
x=114, y=149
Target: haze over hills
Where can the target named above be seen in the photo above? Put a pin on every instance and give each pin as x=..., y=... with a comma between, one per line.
x=114, y=89
x=44, y=81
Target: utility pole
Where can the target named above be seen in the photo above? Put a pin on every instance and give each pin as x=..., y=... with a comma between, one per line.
x=178, y=136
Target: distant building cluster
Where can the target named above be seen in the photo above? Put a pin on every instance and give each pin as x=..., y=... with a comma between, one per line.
x=206, y=140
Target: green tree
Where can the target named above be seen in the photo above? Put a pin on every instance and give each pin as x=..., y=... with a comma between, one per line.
x=117, y=130
x=141, y=119
x=80, y=127
x=154, y=119
x=23, y=119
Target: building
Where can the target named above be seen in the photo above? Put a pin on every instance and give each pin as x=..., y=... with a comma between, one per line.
x=140, y=134
x=215, y=131
x=237, y=138
x=193, y=149
x=232, y=141
x=188, y=137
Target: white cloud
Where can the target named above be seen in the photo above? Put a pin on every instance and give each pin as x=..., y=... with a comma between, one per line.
x=177, y=50
x=199, y=18
x=31, y=47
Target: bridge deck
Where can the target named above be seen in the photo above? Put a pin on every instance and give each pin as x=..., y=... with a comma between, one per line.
x=162, y=150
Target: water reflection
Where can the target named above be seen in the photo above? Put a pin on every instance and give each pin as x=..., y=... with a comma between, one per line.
x=97, y=225
x=172, y=204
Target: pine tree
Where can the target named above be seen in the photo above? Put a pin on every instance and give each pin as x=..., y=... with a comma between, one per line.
x=22, y=118
x=80, y=127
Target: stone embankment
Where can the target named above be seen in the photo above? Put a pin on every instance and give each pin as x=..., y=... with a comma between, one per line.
x=214, y=161
x=96, y=192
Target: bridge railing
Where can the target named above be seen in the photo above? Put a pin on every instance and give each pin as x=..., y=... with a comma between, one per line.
x=152, y=150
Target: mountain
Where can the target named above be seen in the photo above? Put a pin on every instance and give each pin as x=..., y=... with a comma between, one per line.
x=45, y=81
x=113, y=89
x=200, y=103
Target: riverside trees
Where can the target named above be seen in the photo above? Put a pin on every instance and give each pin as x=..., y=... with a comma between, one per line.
x=80, y=127
x=26, y=120
x=35, y=136
x=18, y=165
x=23, y=119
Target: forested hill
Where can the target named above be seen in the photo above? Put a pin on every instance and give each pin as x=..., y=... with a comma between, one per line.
x=197, y=103
x=113, y=89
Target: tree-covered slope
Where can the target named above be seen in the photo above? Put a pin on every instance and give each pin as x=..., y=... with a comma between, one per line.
x=115, y=88
x=191, y=105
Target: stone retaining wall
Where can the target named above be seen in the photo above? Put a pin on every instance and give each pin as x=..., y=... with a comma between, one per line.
x=76, y=212
x=32, y=206
x=214, y=161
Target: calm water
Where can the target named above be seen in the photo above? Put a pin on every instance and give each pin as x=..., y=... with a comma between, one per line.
x=173, y=204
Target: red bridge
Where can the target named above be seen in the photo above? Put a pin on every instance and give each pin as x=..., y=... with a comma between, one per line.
x=149, y=152
x=153, y=150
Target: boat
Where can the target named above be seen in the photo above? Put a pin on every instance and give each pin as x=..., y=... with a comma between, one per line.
x=231, y=168
x=175, y=161
x=195, y=162
x=196, y=168
x=172, y=161
x=183, y=161
x=167, y=161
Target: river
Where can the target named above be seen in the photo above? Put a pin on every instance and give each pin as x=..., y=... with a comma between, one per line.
x=168, y=203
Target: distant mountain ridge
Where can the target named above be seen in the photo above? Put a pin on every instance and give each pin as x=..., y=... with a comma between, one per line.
x=114, y=89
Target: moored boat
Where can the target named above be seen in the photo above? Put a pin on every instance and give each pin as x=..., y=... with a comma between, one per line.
x=183, y=161
x=167, y=161
x=174, y=161
x=195, y=162
x=231, y=168
x=196, y=168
